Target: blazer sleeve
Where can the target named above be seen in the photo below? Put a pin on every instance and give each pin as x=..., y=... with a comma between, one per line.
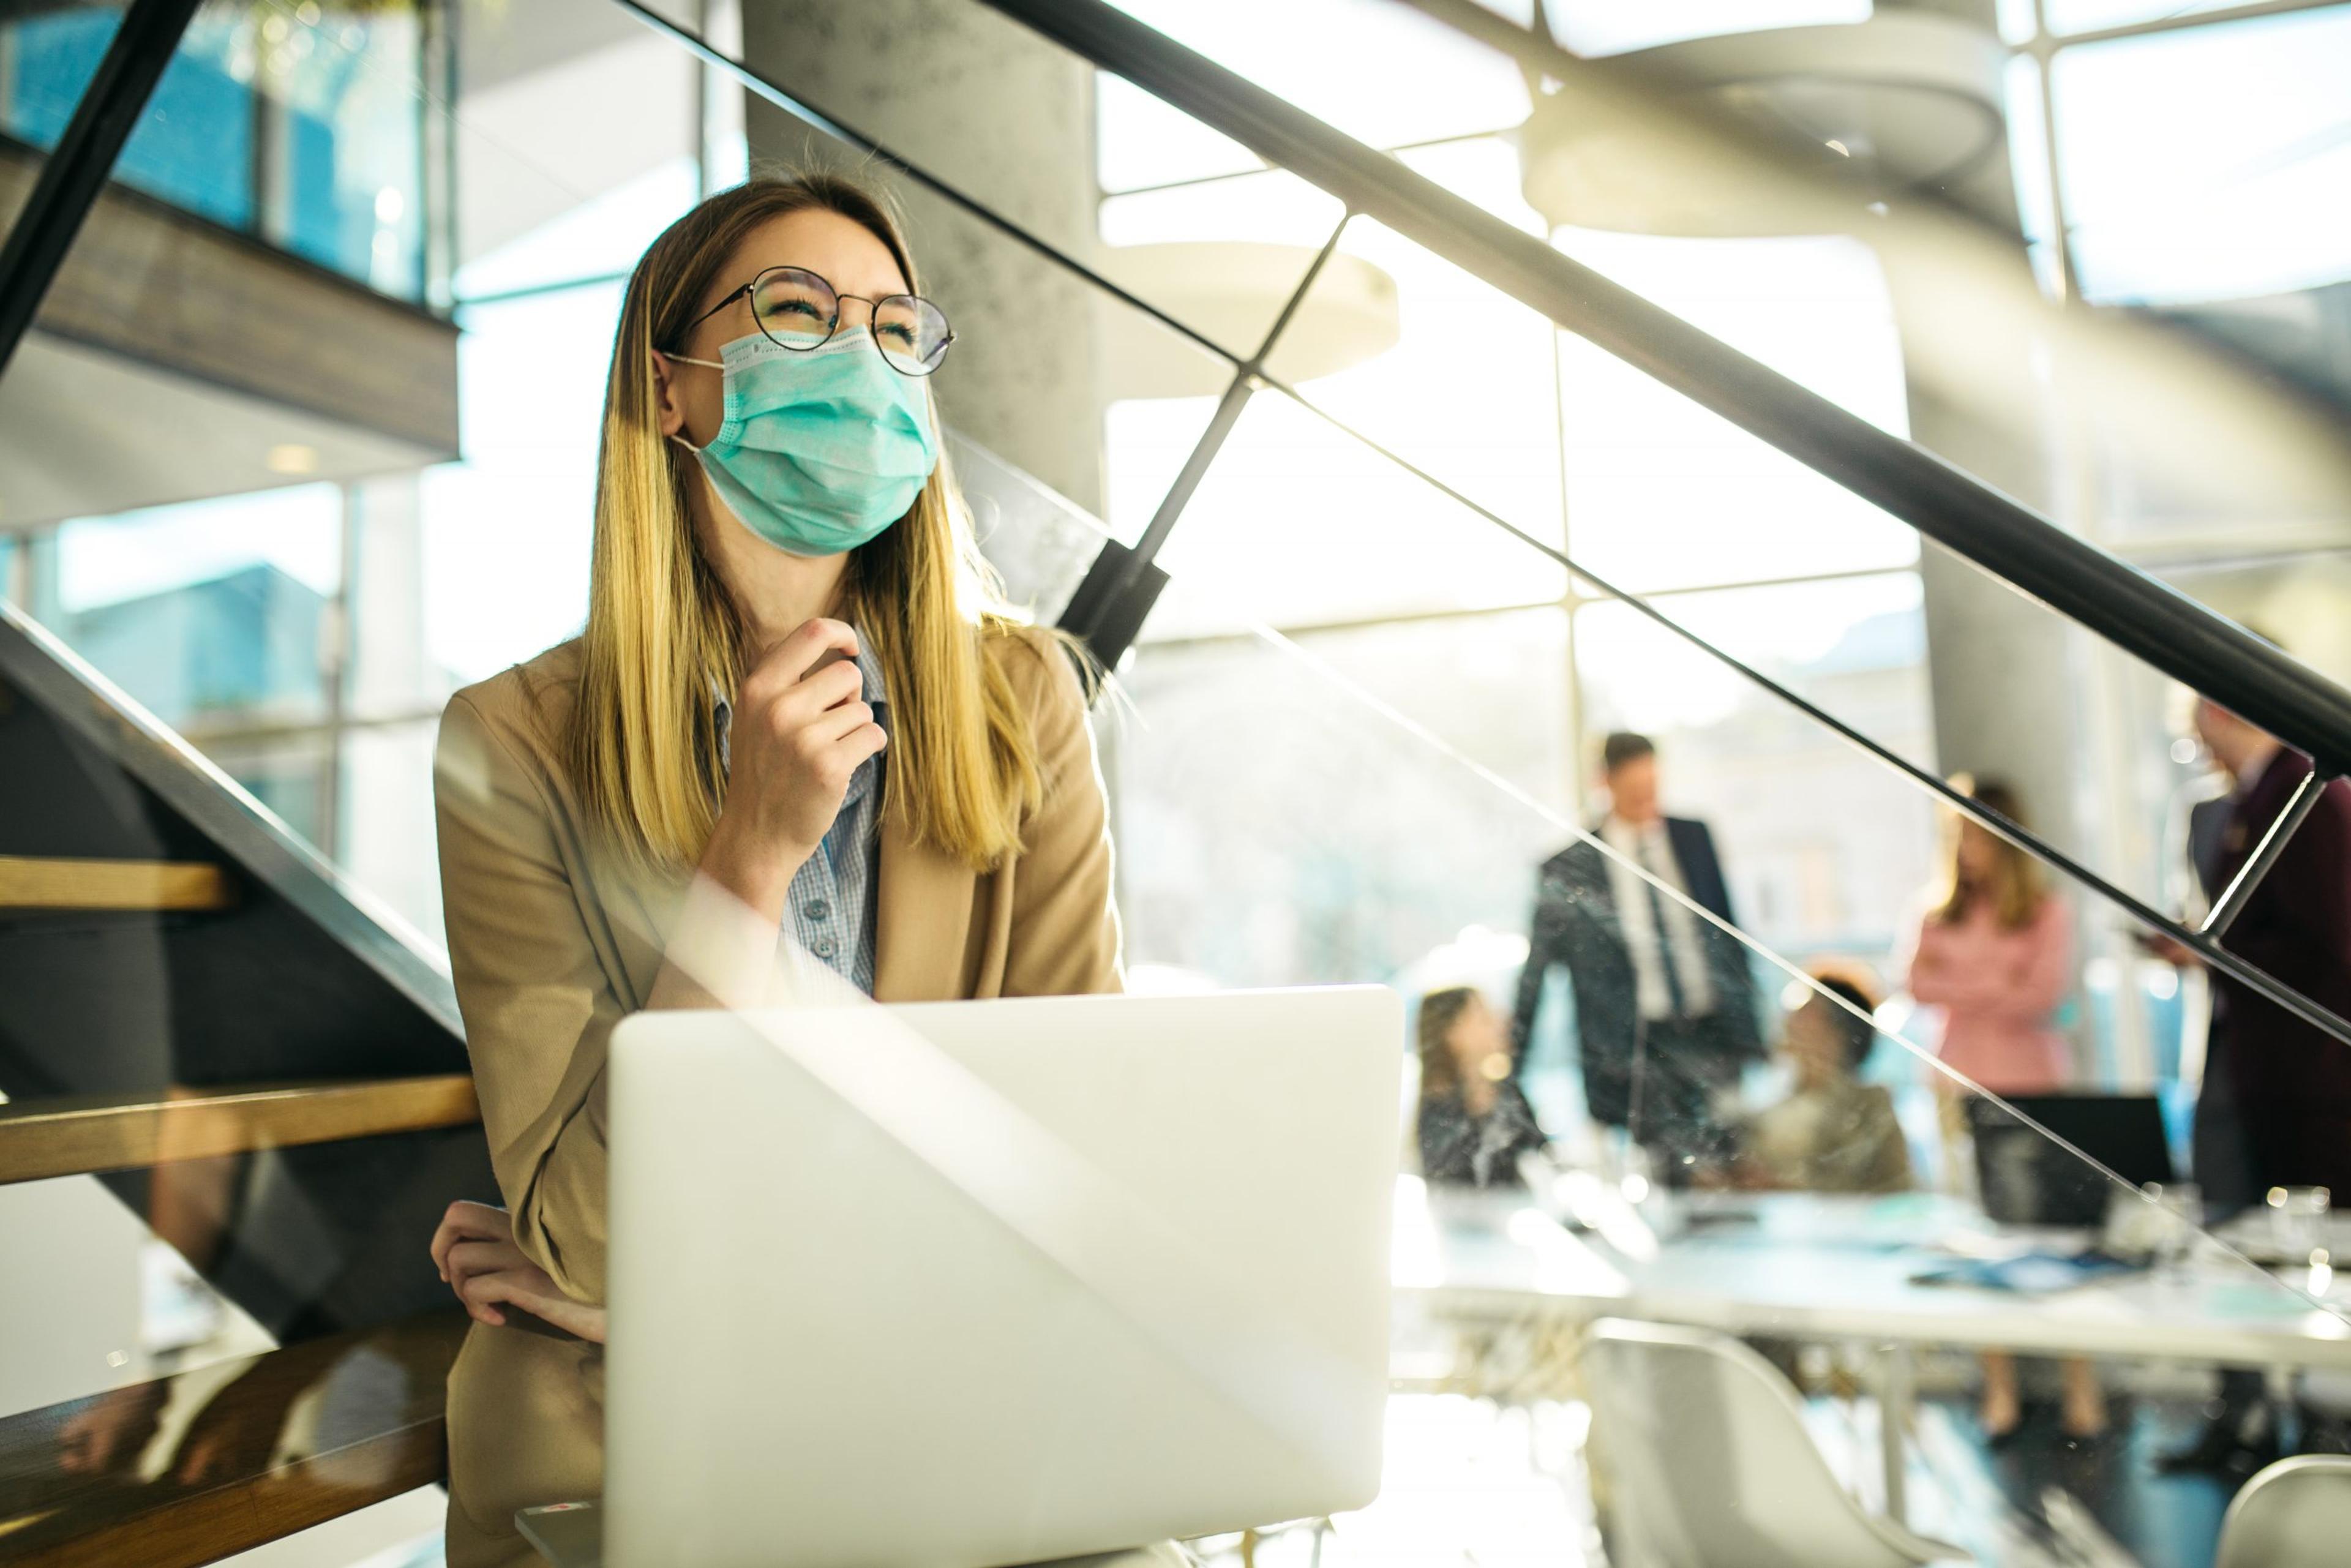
x=2305, y=901
x=1065, y=935
x=539, y=1005
x=1546, y=946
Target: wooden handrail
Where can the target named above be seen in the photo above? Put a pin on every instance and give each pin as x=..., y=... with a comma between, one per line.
x=73, y=1495
x=26, y=883
x=52, y=1137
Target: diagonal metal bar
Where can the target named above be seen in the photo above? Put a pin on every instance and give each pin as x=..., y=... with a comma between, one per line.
x=1109, y=607
x=1228, y=412
x=2240, y=892
x=77, y=171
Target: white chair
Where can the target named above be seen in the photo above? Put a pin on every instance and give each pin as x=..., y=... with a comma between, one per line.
x=1709, y=1464
x=2295, y=1514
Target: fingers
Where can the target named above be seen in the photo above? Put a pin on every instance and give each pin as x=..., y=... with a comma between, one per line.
x=817, y=694
x=836, y=724
x=466, y=1220
x=866, y=740
x=470, y=1257
x=797, y=654
x=532, y=1292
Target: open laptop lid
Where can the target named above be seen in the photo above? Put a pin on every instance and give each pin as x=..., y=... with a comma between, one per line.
x=987, y=1282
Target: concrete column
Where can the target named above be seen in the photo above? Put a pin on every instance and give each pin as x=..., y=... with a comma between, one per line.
x=990, y=106
x=2004, y=672
x=384, y=802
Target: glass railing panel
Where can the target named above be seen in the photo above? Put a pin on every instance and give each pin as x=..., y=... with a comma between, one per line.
x=1308, y=525
x=2111, y=424
x=145, y=1274
x=1223, y=257
x=1464, y=386
x=1325, y=808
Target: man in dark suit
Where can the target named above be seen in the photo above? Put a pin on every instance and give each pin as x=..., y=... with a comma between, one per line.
x=2217, y=1149
x=1665, y=1001
x=2284, y=1084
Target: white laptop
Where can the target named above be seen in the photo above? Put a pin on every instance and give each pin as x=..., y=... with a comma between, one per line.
x=976, y=1284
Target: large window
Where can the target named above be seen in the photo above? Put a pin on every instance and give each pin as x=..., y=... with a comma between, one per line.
x=1364, y=713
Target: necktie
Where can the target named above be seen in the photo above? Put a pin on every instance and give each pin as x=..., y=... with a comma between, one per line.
x=1675, y=995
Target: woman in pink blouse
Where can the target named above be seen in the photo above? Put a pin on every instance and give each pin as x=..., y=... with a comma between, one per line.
x=1995, y=953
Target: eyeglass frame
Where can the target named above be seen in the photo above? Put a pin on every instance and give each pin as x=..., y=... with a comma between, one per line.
x=872, y=307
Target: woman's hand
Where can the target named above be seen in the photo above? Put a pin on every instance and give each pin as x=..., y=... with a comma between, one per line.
x=801, y=729
x=475, y=1252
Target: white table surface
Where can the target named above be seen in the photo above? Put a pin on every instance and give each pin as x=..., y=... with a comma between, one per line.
x=1806, y=1266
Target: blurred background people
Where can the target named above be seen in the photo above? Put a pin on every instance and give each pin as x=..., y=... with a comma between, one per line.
x=1833, y=1132
x=1473, y=1123
x=2274, y=1108
x=1665, y=1001
x=1995, y=953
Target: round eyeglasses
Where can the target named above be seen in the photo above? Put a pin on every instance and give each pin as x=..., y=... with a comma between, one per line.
x=798, y=311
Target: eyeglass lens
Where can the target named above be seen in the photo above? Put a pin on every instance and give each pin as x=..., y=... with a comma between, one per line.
x=800, y=311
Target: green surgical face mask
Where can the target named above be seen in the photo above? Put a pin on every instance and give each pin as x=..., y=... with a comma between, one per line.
x=822, y=449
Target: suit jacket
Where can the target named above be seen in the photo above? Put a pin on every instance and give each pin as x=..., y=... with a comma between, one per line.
x=2292, y=1081
x=553, y=939
x=1576, y=923
x=2208, y=831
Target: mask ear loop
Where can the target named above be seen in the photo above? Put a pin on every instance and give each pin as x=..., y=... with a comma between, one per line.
x=687, y=360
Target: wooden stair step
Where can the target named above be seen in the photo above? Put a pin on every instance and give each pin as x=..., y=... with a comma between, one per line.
x=30, y=883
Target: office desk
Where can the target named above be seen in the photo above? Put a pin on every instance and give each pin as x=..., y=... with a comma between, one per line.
x=1811, y=1267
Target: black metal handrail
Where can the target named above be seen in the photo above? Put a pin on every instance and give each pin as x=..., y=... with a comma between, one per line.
x=1102, y=581
x=2138, y=613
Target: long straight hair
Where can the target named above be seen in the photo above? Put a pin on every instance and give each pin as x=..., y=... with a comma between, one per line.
x=2015, y=887
x=1440, y=1071
x=641, y=746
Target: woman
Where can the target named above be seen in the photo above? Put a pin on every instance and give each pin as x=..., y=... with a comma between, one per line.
x=1833, y=1132
x=789, y=753
x=1995, y=953
x=1474, y=1123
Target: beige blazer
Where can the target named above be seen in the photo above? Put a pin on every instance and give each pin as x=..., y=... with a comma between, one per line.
x=553, y=940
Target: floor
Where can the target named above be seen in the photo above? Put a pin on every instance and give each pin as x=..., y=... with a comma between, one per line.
x=1473, y=1485
x=2043, y=1501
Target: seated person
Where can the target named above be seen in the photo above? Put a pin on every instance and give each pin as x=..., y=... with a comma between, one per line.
x=1473, y=1123
x=1833, y=1132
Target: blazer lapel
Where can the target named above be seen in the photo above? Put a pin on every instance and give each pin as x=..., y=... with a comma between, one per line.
x=921, y=918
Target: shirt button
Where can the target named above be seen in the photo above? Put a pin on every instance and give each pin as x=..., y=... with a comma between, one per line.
x=822, y=947
x=818, y=909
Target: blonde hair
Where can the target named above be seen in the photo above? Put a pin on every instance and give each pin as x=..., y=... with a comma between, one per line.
x=2015, y=886
x=641, y=746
